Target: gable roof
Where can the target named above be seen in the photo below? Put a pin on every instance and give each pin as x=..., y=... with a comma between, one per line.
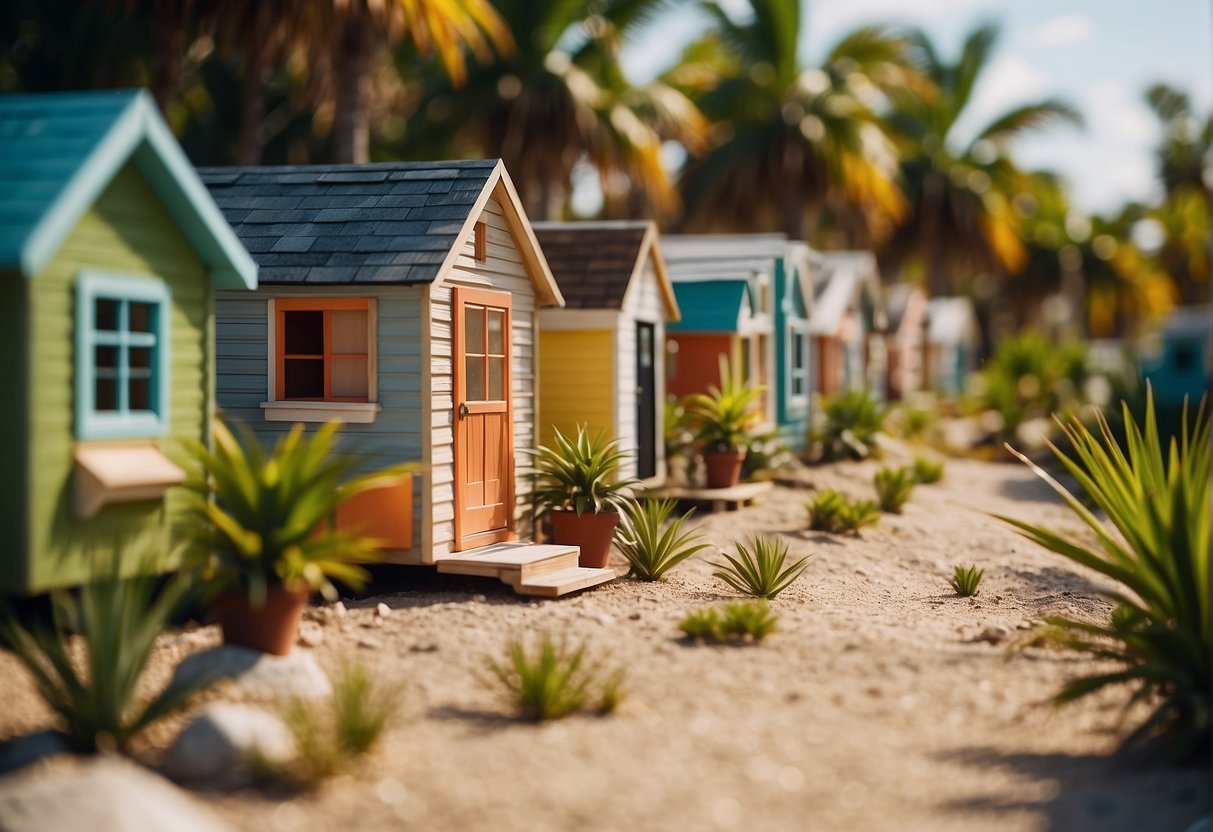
x=710, y=306
x=845, y=278
x=59, y=151
x=389, y=223
x=721, y=256
x=595, y=263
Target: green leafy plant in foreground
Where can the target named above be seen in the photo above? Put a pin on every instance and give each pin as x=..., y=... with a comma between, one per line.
x=551, y=680
x=652, y=550
x=966, y=580
x=927, y=472
x=759, y=569
x=742, y=620
x=849, y=423
x=830, y=511
x=893, y=487
x=1158, y=502
x=580, y=473
x=117, y=621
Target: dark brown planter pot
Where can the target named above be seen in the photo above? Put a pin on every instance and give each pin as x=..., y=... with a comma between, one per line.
x=592, y=531
x=271, y=628
x=723, y=468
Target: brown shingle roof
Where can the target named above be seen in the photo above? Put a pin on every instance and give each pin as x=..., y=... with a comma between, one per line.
x=592, y=262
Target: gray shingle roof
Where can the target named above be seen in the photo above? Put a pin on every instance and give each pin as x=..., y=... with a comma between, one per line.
x=592, y=262
x=382, y=223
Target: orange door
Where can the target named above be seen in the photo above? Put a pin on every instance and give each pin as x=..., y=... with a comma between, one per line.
x=484, y=435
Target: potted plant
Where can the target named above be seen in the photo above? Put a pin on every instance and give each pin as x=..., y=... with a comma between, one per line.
x=722, y=419
x=578, y=485
x=259, y=529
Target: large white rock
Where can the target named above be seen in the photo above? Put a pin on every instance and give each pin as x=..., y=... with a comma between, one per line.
x=259, y=675
x=104, y=794
x=215, y=748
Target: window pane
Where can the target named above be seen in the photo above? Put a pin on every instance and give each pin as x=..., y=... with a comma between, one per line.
x=474, y=379
x=141, y=358
x=496, y=325
x=141, y=394
x=304, y=332
x=347, y=329
x=105, y=314
x=348, y=378
x=105, y=358
x=797, y=351
x=496, y=379
x=143, y=316
x=473, y=330
x=303, y=378
x=105, y=394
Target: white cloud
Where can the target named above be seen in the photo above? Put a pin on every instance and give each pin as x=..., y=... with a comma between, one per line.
x=1116, y=114
x=1063, y=30
x=1009, y=81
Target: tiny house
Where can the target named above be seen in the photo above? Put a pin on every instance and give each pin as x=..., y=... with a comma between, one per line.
x=110, y=251
x=1182, y=362
x=403, y=299
x=602, y=356
x=793, y=349
x=953, y=343
x=847, y=323
x=907, y=312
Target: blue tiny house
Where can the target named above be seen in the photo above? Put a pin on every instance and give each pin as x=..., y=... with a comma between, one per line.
x=110, y=251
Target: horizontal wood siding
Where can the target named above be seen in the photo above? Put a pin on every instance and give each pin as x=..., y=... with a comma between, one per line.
x=127, y=231
x=643, y=302
x=502, y=270
x=242, y=352
x=575, y=382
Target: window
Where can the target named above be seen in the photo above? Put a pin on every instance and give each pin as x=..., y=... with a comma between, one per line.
x=324, y=350
x=484, y=353
x=122, y=352
x=798, y=364
x=481, y=242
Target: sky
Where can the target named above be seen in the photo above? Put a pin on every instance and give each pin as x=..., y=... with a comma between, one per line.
x=1100, y=55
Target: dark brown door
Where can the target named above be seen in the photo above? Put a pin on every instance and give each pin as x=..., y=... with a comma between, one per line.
x=646, y=400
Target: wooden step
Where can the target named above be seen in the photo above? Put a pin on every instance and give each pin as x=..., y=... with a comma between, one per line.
x=510, y=562
x=555, y=584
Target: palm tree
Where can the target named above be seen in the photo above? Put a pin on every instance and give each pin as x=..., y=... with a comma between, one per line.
x=790, y=139
x=961, y=221
x=561, y=98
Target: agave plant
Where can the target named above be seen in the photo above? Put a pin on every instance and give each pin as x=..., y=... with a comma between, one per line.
x=117, y=620
x=256, y=520
x=926, y=471
x=848, y=425
x=1158, y=556
x=723, y=417
x=580, y=474
x=651, y=547
x=893, y=487
x=759, y=569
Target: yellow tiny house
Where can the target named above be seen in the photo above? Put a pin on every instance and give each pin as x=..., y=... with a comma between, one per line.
x=601, y=357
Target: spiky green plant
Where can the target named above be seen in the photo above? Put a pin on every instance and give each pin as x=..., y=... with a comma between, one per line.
x=254, y=520
x=550, y=679
x=893, y=487
x=363, y=705
x=926, y=471
x=914, y=422
x=580, y=473
x=966, y=580
x=723, y=417
x=704, y=624
x=1158, y=503
x=830, y=511
x=848, y=425
x=117, y=621
x=652, y=547
x=741, y=620
x=759, y=569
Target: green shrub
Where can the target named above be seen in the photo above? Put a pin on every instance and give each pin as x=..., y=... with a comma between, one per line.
x=848, y=425
x=552, y=680
x=580, y=474
x=1029, y=377
x=759, y=569
x=1158, y=502
x=765, y=455
x=893, y=487
x=832, y=512
x=927, y=472
x=652, y=550
x=117, y=621
x=966, y=580
x=914, y=423
x=703, y=624
x=743, y=620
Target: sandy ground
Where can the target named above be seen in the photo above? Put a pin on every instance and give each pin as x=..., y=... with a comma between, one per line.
x=870, y=709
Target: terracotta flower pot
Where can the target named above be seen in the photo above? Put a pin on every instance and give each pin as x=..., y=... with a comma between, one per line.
x=723, y=468
x=271, y=628
x=592, y=531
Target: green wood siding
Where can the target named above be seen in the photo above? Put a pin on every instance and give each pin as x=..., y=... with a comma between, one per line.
x=127, y=231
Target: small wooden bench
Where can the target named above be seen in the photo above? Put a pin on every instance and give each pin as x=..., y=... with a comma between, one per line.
x=719, y=499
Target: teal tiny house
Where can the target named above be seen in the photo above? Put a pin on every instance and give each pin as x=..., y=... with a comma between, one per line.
x=110, y=248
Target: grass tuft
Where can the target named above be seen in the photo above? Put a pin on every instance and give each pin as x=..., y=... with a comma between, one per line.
x=759, y=569
x=893, y=487
x=966, y=580
x=832, y=512
x=750, y=621
x=927, y=472
x=551, y=680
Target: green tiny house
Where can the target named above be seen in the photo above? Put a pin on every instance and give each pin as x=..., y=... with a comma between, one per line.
x=110, y=249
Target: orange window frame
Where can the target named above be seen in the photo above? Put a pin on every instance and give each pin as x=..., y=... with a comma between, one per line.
x=325, y=305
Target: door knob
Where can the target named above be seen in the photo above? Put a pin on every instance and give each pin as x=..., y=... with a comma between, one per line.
x=463, y=410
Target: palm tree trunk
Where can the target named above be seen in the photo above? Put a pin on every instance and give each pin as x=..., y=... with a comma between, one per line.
x=792, y=199
x=933, y=256
x=351, y=132
x=252, y=109
x=169, y=24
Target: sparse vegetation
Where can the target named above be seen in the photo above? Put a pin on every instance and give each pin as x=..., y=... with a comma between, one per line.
x=551, y=680
x=1028, y=377
x=651, y=546
x=759, y=569
x=742, y=620
x=894, y=486
x=1158, y=502
x=95, y=690
x=830, y=511
x=914, y=423
x=848, y=425
x=926, y=471
x=966, y=580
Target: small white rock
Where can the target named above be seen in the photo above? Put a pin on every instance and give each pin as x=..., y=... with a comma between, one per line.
x=382, y=610
x=259, y=675
x=215, y=748
x=339, y=609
